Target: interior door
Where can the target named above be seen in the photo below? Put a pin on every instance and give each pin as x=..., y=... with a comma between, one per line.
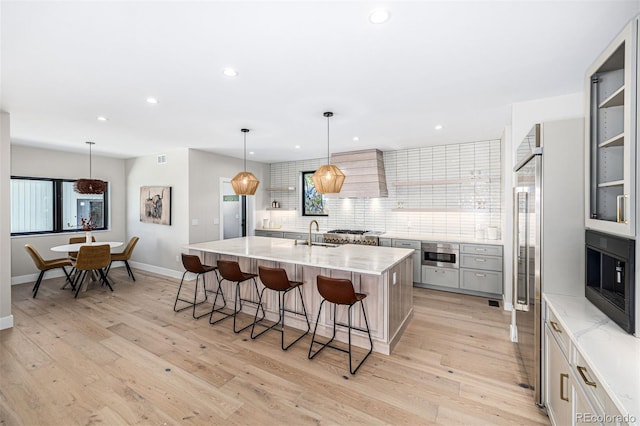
x=232, y=211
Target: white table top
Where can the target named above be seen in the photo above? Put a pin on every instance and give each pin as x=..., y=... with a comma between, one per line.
x=76, y=246
x=348, y=257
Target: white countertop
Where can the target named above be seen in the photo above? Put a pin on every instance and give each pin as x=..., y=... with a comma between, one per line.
x=612, y=353
x=348, y=257
x=404, y=236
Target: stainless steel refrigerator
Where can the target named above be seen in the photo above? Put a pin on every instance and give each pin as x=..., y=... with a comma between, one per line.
x=548, y=252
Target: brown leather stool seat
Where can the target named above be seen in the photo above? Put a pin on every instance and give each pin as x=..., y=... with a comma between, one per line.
x=276, y=279
x=192, y=264
x=230, y=271
x=339, y=291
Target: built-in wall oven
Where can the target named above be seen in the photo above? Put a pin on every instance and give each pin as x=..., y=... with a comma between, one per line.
x=442, y=255
x=610, y=280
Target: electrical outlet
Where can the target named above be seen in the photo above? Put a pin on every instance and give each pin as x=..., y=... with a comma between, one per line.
x=178, y=258
x=394, y=278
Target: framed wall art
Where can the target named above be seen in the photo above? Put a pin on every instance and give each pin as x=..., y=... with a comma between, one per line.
x=313, y=203
x=155, y=204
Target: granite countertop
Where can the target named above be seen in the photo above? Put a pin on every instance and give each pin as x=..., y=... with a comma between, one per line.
x=404, y=236
x=613, y=354
x=347, y=257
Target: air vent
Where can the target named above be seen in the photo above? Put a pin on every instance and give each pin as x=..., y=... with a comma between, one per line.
x=162, y=159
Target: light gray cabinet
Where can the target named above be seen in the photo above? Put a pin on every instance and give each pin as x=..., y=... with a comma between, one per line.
x=297, y=236
x=272, y=234
x=416, y=245
x=481, y=268
x=442, y=277
x=385, y=242
x=611, y=95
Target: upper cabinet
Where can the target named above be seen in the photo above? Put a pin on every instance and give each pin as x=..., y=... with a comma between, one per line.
x=611, y=94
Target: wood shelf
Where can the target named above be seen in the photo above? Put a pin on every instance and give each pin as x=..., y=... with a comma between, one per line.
x=612, y=183
x=616, y=99
x=281, y=188
x=437, y=210
x=617, y=140
x=442, y=182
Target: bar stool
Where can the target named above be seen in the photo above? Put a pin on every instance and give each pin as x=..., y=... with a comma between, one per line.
x=192, y=264
x=276, y=279
x=340, y=292
x=230, y=271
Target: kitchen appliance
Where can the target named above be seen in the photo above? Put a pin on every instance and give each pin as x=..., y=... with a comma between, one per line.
x=349, y=236
x=610, y=277
x=443, y=255
x=548, y=233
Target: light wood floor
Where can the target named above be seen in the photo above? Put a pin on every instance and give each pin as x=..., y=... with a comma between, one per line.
x=127, y=358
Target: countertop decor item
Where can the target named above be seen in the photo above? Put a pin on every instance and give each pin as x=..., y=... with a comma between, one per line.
x=328, y=179
x=90, y=186
x=245, y=183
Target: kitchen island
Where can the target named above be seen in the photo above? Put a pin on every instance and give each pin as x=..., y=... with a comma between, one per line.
x=383, y=273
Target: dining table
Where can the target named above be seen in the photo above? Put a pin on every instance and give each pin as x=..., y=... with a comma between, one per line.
x=76, y=246
x=66, y=248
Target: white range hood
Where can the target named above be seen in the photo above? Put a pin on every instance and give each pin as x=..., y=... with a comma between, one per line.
x=364, y=171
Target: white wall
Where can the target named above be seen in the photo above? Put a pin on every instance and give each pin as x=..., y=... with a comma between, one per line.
x=38, y=162
x=205, y=171
x=6, y=319
x=159, y=244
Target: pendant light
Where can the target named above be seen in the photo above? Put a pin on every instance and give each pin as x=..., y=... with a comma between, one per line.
x=245, y=183
x=328, y=179
x=90, y=186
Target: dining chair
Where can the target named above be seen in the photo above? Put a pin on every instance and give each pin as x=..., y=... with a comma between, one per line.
x=76, y=240
x=46, y=265
x=92, y=258
x=124, y=256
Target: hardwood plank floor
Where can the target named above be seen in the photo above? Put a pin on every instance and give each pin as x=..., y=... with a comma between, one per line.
x=126, y=358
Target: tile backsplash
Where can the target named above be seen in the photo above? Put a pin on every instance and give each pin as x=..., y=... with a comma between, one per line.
x=454, y=189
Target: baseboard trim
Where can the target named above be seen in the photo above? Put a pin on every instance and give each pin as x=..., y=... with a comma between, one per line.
x=156, y=269
x=6, y=322
x=54, y=273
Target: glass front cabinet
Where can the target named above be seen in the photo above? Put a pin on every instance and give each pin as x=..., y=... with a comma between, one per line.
x=611, y=95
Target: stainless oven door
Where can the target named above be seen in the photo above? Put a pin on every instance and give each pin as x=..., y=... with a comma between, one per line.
x=442, y=255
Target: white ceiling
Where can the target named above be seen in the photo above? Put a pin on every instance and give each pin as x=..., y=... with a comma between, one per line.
x=459, y=64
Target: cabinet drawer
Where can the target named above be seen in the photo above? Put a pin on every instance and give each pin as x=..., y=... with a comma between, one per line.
x=589, y=383
x=479, y=280
x=440, y=276
x=558, y=332
x=481, y=249
x=410, y=244
x=384, y=242
x=296, y=235
x=487, y=263
x=272, y=234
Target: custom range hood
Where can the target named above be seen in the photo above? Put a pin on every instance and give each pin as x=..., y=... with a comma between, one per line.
x=364, y=171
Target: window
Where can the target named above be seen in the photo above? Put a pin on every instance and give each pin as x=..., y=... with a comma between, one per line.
x=313, y=204
x=44, y=205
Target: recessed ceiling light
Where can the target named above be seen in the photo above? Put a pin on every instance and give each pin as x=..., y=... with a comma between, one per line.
x=355, y=138
x=152, y=100
x=297, y=146
x=379, y=16
x=102, y=118
x=230, y=72
x=251, y=152
x=438, y=127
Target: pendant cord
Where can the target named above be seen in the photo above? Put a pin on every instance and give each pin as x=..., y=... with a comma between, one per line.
x=328, y=118
x=245, y=152
x=89, y=161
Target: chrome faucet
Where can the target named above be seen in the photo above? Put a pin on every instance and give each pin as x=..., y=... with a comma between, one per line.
x=310, y=226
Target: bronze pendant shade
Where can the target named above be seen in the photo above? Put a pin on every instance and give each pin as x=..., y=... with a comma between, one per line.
x=245, y=183
x=90, y=186
x=328, y=179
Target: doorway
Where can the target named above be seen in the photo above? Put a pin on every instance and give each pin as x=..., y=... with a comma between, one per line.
x=235, y=212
